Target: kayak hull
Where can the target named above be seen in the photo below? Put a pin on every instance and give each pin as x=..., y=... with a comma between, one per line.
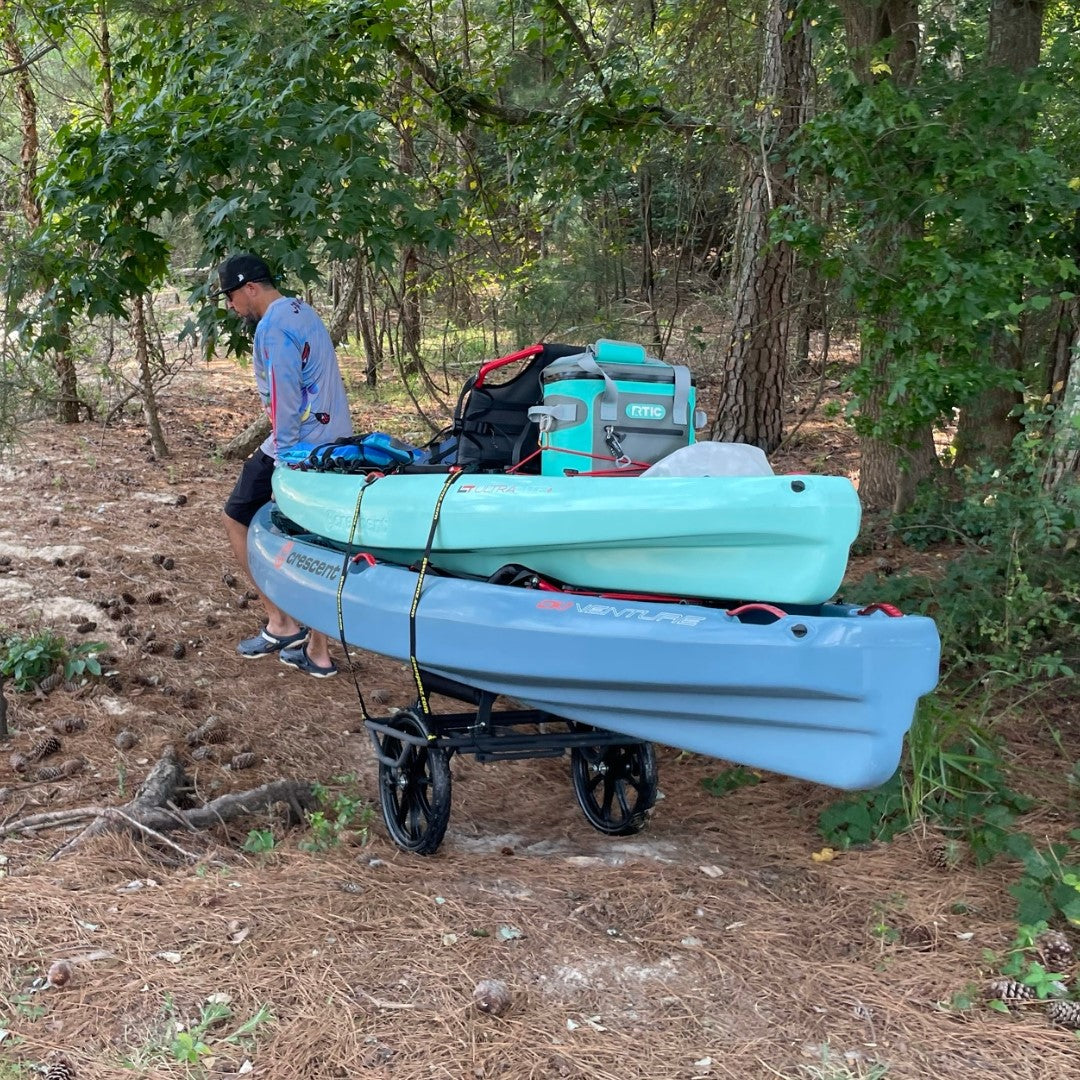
x=820, y=692
x=782, y=538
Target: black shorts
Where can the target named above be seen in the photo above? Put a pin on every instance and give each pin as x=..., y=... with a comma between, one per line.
x=252, y=490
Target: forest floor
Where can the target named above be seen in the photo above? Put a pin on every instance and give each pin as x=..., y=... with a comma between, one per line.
x=712, y=944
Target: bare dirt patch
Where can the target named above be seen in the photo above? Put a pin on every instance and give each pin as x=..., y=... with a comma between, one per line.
x=710, y=945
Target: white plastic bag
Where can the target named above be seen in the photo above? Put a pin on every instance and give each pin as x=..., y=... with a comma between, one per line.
x=713, y=459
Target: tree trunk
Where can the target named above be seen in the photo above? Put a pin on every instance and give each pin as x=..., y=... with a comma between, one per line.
x=67, y=405
x=751, y=401
x=368, y=333
x=648, y=255
x=248, y=441
x=345, y=306
x=146, y=380
x=888, y=473
x=989, y=423
x=1064, y=465
x=27, y=101
x=409, y=313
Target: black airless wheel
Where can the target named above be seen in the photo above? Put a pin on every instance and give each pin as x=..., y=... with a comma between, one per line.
x=615, y=785
x=415, y=791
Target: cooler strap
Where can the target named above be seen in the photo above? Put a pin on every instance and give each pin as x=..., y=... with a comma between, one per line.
x=680, y=407
x=609, y=402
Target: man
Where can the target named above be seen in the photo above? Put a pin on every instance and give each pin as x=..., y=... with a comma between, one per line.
x=298, y=378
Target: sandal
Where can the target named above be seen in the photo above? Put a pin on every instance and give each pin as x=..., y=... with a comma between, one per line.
x=264, y=643
x=299, y=659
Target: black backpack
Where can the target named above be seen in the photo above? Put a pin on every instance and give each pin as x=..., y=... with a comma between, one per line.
x=491, y=422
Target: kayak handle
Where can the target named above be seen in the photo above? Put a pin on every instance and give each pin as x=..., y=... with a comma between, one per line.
x=492, y=365
x=889, y=609
x=770, y=608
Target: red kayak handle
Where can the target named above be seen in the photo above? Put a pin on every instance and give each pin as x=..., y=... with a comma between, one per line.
x=770, y=608
x=890, y=609
x=492, y=365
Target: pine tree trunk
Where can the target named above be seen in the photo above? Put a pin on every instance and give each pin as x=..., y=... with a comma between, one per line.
x=751, y=401
x=989, y=424
x=888, y=474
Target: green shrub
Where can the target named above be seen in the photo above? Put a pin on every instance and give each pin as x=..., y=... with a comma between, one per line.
x=29, y=660
x=1007, y=601
x=953, y=775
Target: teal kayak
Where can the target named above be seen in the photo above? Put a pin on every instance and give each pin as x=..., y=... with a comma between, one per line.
x=769, y=538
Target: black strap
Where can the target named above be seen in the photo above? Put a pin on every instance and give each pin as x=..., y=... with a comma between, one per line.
x=422, y=700
x=340, y=591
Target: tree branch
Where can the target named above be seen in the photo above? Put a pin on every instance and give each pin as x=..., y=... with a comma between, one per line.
x=33, y=58
x=468, y=104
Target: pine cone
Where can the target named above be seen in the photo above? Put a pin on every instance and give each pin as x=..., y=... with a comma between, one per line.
x=69, y=725
x=243, y=760
x=202, y=753
x=49, y=772
x=60, y=1069
x=1055, y=950
x=44, y=748
x=59, y=974
x=948, y=855
x=492, y=996
x=153, y=598
x=19, y=762
x=1064, y=1013
x=210, y=731
x=125, y=739
x=51, y=682
x=1010, y=991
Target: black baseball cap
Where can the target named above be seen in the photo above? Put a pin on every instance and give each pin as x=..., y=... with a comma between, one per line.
x=238, y=270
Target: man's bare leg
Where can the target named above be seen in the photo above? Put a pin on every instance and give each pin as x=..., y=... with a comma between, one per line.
x=278, y=622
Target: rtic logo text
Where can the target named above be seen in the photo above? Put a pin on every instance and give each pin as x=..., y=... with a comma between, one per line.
x=639, y=613
x=330, y=571
x=637, y=411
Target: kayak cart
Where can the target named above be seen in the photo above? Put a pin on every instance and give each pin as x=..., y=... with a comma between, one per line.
x=614, y=776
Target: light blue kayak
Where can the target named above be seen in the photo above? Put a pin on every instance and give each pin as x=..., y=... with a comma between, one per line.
x=770, y=538
x=824, y=692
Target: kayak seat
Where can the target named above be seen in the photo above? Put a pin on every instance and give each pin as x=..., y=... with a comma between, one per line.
x=491, y=425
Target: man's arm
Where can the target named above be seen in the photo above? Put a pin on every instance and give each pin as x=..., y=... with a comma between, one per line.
x=287, y=401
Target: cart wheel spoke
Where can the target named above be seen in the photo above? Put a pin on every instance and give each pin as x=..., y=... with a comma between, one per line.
x=415, y=792
x=615, y=785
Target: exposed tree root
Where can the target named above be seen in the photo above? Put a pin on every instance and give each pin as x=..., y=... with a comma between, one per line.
x=152, y=811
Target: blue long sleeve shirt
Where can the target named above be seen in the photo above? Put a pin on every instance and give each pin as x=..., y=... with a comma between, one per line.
x=298, y=378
